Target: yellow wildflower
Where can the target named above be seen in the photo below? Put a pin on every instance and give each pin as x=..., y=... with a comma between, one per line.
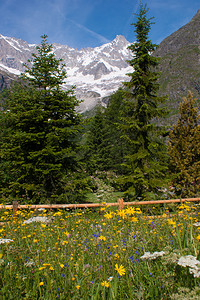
x=130, y=210
x=121, y=213
x=134, y=220
x=57, y=214
x=108, y=215
x=171, y=222
x=138, y=210
x=105, y=283
x=120, y=269
x=102, y=238
x=65, y=242
x=102, y=208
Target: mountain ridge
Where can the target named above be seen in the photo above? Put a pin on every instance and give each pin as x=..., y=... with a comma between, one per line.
x=96, y=72
x=179, y=66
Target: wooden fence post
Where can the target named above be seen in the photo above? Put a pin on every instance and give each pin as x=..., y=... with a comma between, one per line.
x=121, y=203
x=15, y=206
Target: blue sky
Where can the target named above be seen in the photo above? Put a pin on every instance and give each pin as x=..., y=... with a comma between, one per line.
x=90, y=23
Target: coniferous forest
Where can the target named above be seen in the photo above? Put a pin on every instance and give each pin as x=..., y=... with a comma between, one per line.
x=49, y=153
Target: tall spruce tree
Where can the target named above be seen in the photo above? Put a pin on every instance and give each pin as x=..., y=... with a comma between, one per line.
x=184, y=149
x=145, y=163
x=95, y=151
x=40, y=125
x=116, y=148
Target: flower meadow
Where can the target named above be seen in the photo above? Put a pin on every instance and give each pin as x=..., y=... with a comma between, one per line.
x=100, y=254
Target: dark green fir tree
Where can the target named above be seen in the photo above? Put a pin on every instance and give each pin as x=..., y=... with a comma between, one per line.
x=145, y=164
x=184, y=150
x=39, y=122
x=116, y=147
x=96, y=148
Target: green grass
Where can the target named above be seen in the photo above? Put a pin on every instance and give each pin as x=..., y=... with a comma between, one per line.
x=86, y=254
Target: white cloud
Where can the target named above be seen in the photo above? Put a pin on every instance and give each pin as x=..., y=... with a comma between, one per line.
x=97, y=36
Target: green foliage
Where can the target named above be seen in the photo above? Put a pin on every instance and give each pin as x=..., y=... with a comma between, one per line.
x=116, y=146
x=104, y=187
x=76, y=186
x=96, y=148
x=184, y=149
x=46, y=73
x=145, y=162
x=104, y=149
x=39, y=124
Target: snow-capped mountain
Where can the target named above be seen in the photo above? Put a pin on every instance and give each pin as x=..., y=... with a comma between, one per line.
x=96, y=72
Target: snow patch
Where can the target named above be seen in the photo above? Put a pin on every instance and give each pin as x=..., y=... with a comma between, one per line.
x=10, y=70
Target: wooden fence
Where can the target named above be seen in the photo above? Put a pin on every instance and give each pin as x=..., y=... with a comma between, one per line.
x=120, y=203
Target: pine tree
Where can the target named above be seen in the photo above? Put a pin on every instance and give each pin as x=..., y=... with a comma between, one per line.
x=95, y=152
x=184, y=149
x=40, y=124
x=116, y=148
x=145, y=163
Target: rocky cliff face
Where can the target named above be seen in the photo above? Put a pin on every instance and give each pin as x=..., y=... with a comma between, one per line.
x=5, y=79
x=13, y=53
x=188, y=35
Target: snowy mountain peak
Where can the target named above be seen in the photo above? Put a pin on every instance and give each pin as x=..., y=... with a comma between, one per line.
x=96, y=72
x=120, y=39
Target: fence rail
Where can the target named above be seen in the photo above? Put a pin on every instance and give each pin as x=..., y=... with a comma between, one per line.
x=120, y=203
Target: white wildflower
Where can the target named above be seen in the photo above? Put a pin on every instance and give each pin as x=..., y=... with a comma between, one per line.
x=37, y=219
x=151, y=256
x=110, y=278
x=29, y=263
x=191, y=262
x=188, y=261
x=3, y=241
x=195, y=271
x=196, y=224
